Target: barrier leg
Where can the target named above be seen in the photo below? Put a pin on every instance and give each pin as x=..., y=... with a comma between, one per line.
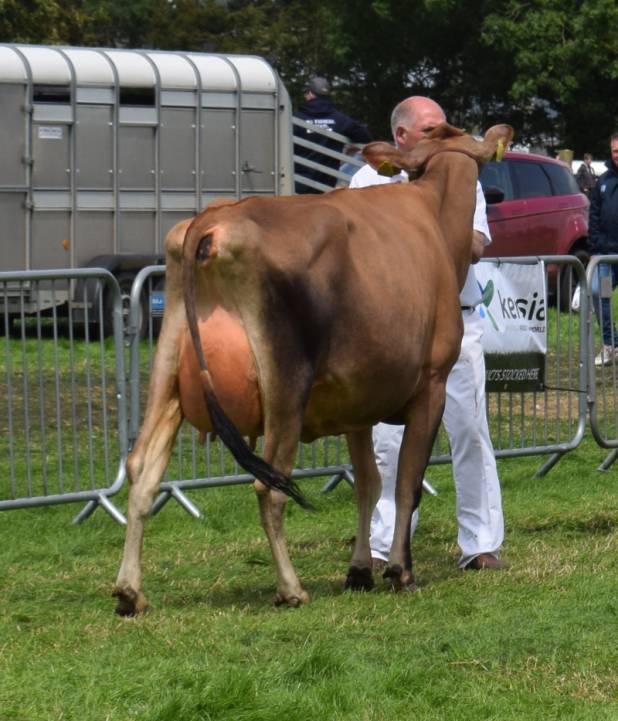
x=334, y=481
x=106, y=505
x=86, y=512
x=161, y=500
x=549, y=464
x=111, y=510
x=175, y=493
x=186, y=503
x=609, y=460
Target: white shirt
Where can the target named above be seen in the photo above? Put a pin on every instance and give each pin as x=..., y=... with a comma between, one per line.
x=471, y=293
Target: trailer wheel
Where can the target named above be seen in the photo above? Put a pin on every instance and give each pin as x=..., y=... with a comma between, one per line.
x=10, y=326
x=125, y=282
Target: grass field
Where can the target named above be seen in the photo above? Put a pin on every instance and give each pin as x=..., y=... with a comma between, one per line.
x=537, y=641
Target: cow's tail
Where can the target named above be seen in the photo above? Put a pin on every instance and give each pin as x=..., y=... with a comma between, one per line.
x=222, y=424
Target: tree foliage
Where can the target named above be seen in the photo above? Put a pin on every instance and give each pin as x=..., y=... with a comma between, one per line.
x=565, y=60
x=550, y=67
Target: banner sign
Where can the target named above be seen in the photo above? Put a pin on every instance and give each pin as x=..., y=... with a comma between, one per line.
x=515, y=329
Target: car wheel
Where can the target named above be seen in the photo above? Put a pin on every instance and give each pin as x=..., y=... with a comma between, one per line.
x=569, y=280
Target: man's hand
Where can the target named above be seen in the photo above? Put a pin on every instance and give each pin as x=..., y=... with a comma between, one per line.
x=478, y=246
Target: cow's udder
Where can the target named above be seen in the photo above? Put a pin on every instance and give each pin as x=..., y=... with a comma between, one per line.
x=232, y=369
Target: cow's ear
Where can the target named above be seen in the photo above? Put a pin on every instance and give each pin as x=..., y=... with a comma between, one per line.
x=497, y=140
x=383, y=157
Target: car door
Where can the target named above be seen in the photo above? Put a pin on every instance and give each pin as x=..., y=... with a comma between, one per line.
x=542, y=213
x=507, y=219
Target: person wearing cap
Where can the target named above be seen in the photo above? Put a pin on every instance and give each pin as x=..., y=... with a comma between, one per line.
x=319, y=110
x=477, y=487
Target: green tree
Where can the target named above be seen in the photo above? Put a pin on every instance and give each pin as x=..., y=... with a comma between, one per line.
x=565, y=61
x=31, y=21
x=549, y=67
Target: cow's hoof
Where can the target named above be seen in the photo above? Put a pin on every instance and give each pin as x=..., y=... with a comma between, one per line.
x=293, y=600
x=400, y=579
x=359, y=579
x=130, y=602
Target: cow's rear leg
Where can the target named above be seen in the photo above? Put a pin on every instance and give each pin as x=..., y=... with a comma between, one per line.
x=422, y=422
x=272, y=506
x=367, y=489
x=145, y=467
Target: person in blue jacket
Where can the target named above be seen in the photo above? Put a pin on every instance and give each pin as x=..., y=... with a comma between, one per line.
x=319, y=110
x=603, y=240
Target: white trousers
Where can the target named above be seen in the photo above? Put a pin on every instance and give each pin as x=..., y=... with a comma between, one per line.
x=477, y=488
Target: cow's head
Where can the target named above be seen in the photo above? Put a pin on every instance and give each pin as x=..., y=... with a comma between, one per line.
x=389, y=160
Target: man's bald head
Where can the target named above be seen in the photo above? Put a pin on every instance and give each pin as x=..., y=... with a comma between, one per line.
x=413, y=118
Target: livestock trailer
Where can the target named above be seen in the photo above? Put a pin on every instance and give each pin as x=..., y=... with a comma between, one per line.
x=102, y=151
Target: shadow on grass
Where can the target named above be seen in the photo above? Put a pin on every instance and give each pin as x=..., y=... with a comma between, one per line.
x=256, y=595
x=601, y=523
x=252, y=596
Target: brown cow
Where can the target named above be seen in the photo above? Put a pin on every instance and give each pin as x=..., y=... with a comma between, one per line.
x=311, y=316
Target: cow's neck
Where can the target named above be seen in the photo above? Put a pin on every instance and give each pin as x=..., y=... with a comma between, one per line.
x=454, y=175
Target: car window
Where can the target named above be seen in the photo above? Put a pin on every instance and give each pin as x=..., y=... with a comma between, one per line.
x=530, y=180
x=562, y=179
x=496, y=175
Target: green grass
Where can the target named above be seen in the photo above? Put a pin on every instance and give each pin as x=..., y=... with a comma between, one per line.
x=537, y=641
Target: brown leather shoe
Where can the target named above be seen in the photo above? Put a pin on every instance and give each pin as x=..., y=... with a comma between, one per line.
x=484, y=562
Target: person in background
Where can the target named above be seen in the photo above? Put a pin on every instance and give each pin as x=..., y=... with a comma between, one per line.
x=319, y=110
x=585, y=176
x=603, y=240
x=477, y=488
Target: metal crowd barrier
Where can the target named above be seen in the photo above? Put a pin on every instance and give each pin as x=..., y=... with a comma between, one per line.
x=68, y=421
x=346, y=164
x=62, y=390
x=550, y=422
x=603, y=377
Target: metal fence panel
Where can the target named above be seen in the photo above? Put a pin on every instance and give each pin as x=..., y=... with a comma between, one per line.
x=551, y=421
x=62, y=391
x=68, y=426
x=603, y=377
x=348, y=164
x=548, y=422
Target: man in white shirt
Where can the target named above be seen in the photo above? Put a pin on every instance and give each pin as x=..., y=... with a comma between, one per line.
x=477, y=488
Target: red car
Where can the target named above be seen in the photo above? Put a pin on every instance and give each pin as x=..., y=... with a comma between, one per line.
x=535, y=208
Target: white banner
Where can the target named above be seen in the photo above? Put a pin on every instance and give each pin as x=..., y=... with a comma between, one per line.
x=515, y=334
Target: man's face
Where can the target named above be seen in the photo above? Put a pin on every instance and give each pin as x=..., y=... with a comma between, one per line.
x=614, y=149
x=425, y=120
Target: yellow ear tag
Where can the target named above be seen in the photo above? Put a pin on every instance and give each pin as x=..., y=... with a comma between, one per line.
x=387, y=169
x=500, y=150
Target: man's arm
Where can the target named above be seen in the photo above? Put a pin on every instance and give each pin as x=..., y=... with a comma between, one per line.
x=594, y=220
x=353, y=129
x=479, y=241
x=481, y=235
